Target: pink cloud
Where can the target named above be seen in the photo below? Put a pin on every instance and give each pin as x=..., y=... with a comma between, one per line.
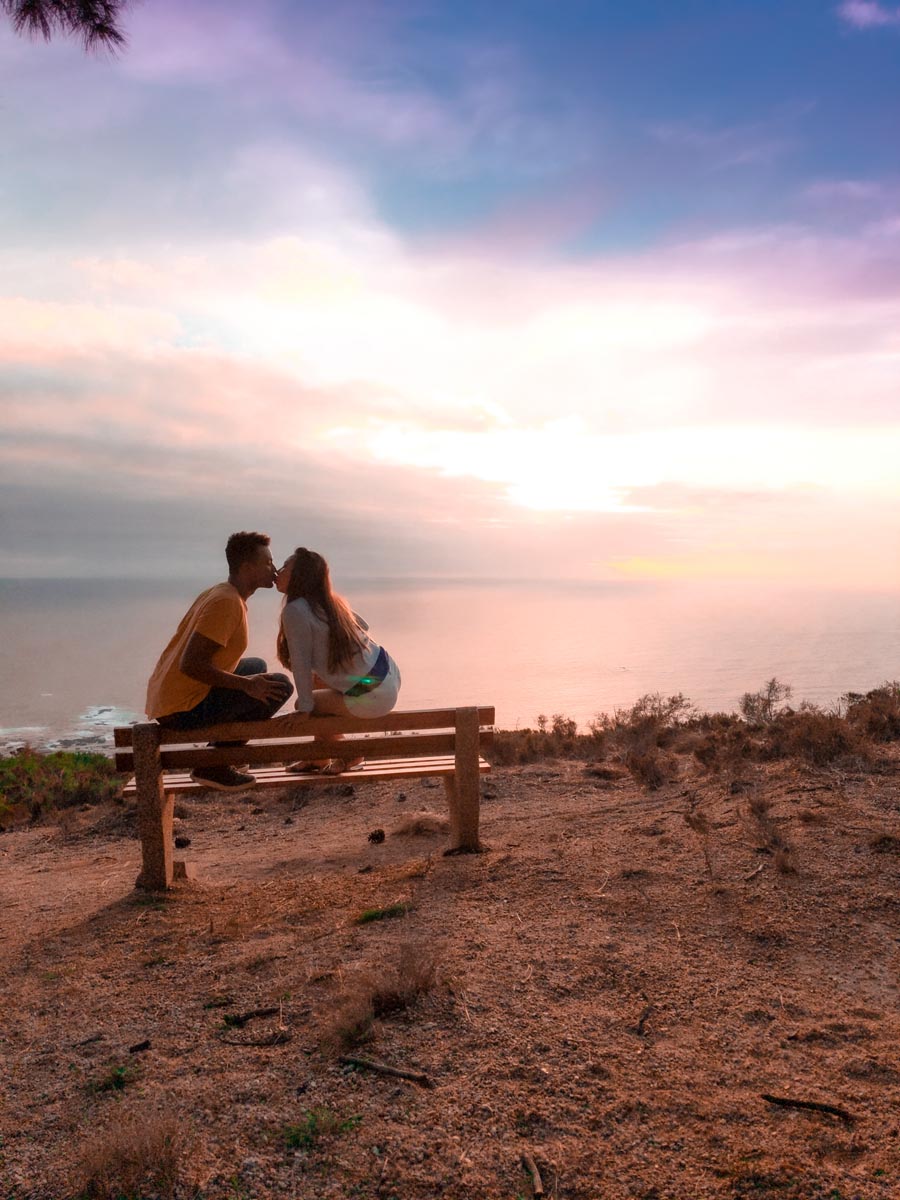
x=868, y=14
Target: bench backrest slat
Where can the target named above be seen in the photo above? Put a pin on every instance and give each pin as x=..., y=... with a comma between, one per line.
x=292, y=726
x=423, y=732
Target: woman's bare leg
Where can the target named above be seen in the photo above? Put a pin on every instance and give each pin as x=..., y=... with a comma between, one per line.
x=329, y=703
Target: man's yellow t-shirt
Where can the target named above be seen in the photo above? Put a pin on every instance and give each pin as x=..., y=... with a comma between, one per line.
x=220, y=614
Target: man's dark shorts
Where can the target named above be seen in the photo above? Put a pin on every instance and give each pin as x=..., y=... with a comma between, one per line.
x=222, y=705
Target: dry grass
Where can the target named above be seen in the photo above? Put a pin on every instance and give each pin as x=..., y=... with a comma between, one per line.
x=556, y=737
x=420, y=825
x=810, y=816
x=593, y=906
x=876, y=714
x=380, y=992
x=140, y=1155
x=767, y=835
x=651, y=769
x=816, y=737
x=414, y=977
x=699, y=823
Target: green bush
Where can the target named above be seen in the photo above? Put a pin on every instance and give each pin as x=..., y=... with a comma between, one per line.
x=39, y=783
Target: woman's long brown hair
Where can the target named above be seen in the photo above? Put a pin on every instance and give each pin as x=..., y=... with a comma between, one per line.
x=310, y=581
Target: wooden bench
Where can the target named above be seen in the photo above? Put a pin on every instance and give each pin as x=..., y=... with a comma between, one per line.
x=444, y=742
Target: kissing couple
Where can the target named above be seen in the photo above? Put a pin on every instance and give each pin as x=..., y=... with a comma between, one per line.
x=202, y=678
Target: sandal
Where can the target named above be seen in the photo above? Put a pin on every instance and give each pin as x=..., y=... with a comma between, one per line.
x=310, y=768
x=337, y=766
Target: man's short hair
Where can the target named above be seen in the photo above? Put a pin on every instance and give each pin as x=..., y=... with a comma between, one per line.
x=242, y=547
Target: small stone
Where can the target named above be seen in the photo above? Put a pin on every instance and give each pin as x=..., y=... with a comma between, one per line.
x=182, y=841
x=376, y=837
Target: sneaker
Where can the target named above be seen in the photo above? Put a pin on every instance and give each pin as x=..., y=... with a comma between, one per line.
x=223, y=779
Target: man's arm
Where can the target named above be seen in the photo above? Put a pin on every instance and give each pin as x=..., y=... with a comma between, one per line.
x=197, y=663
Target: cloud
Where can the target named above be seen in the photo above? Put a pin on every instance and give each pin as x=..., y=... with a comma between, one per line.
x=737, y=146
x=867, y=14
x=861, y=190
x=262, y=342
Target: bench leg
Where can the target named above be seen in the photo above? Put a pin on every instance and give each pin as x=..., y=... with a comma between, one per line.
x=463, y=789
x=155, y=812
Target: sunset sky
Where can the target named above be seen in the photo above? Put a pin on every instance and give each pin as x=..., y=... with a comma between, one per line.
x=572, y=289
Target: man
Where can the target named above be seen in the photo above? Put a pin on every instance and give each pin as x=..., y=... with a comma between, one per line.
x=201, y=678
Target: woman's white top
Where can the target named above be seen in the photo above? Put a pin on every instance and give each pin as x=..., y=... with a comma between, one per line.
x=307, y=639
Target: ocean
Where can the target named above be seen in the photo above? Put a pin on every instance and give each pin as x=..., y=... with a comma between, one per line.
x=75, y=654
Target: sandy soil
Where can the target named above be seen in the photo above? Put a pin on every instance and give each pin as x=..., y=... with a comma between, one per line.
x=616, y=991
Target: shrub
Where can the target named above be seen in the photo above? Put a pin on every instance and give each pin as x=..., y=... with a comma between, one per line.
x=652, y=721
x=140, y=1156
x=817, y=737
x=650, y=768
x=724, y=748
x=556, y=738
x=876, y=714
x=40, y=782
x=762, y=707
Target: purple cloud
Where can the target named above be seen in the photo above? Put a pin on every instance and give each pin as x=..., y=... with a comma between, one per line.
x=868, y=14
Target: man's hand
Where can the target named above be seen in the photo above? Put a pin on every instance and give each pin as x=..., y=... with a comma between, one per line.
x=262, y=687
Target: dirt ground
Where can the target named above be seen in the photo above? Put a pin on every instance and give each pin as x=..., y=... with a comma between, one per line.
x=617, y=988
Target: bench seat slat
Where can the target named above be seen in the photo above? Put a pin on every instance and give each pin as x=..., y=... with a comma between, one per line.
x=401, y=768
x=289, y=726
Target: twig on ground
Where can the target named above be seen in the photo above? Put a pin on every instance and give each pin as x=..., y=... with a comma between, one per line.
x=597, y=895
x=239, y=1020
x=278, y=1038
x=812, y=1105
x=380, y=1068
x=753, y=874
x=529, y=1165
x=643, y=1019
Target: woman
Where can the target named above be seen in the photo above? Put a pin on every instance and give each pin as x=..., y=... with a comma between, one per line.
x=322, y=640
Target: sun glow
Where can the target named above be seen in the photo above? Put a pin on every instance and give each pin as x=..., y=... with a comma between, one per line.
x=564, y=466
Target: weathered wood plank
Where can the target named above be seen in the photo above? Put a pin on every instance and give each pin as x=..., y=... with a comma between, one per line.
x=464, y=811
x=154, y=812
x=372, y=746
x=292, y=725
x=176, y=784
